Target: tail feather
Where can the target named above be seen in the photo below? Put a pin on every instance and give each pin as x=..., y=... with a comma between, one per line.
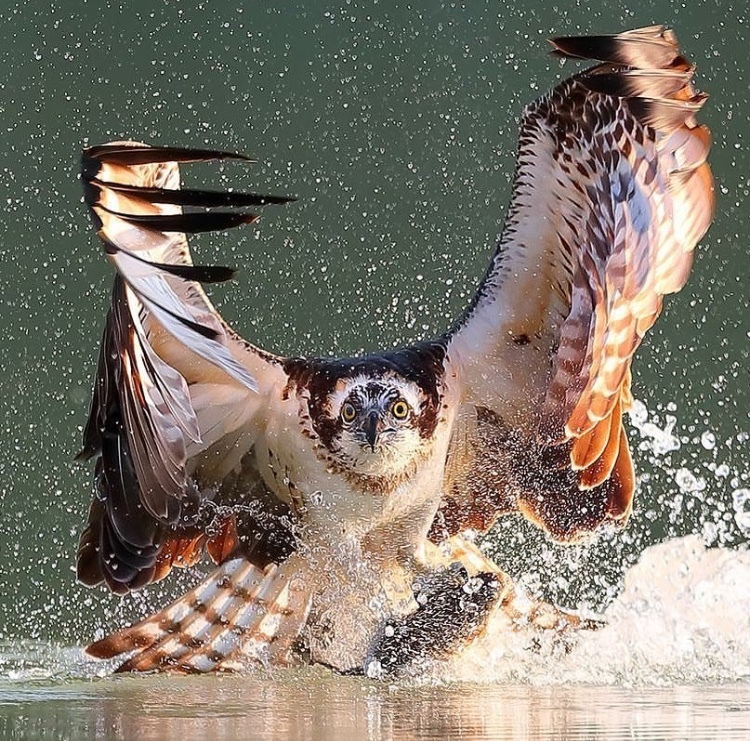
x=272, y=625
x=239, y=615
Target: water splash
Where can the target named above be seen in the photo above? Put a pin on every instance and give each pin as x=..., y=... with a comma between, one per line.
x=683, y=617
x=699, y=480
x=675, y=612
x=24, y=661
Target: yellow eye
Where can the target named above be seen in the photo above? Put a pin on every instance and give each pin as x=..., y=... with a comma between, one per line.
x=348, y=412
x=400, y=409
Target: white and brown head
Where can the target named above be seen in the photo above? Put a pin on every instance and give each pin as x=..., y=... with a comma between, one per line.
x=373, y=416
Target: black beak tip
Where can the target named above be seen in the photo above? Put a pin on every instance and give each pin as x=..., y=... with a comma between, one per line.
x=371, y=430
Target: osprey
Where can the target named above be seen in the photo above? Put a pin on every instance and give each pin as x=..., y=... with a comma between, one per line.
x=339, y=496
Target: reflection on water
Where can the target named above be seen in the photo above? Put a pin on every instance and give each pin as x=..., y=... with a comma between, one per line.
x=672, y=662
x=316, y=705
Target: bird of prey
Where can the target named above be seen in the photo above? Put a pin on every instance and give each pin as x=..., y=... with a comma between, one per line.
x=339, y=496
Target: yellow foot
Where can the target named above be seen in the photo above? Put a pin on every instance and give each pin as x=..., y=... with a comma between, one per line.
x=522, y=611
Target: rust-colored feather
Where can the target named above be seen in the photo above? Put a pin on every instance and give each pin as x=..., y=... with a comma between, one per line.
x=612, y=193
x=655, y=257
x=225, y=543
x=622, y=488
x=589, y=447
x=599, y=462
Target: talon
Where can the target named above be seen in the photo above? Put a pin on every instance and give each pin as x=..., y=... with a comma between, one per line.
x=453, y=610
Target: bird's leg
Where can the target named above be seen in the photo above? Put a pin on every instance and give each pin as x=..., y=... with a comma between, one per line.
x=519, y=608
x=458, y=590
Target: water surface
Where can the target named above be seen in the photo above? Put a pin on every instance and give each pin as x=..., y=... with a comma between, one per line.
x=314, y=705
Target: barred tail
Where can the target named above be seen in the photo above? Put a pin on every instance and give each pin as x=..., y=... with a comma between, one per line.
x=238, y=616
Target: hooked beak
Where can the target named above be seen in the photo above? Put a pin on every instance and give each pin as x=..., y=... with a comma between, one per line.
x=370, y=428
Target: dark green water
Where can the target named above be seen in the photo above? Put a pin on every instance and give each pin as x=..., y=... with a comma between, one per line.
x=395, y=125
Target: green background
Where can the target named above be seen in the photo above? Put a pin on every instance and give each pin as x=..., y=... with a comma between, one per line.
x=395, y=125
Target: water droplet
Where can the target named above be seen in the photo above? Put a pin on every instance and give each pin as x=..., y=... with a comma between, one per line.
x=687, y=481
x=708, y=440
x=741, y=504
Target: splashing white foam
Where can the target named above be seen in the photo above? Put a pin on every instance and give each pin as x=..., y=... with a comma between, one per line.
x=682, y=617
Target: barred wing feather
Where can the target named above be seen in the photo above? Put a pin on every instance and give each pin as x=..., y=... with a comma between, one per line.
x=173, y=379
x=612, y=193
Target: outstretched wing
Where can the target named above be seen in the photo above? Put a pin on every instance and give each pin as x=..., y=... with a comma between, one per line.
x=612, y=193
x=174, y=382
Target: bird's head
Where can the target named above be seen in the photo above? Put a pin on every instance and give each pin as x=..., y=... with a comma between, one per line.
x=378, y=422
x=375, y=415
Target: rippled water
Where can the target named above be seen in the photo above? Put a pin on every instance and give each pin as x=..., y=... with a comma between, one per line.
x=313, y=705
x=672, y=661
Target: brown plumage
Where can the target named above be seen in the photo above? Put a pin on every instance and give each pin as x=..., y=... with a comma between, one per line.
x=582, y=266
x=328, y=489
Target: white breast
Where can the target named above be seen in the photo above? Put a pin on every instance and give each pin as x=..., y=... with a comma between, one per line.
x=331, y=508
